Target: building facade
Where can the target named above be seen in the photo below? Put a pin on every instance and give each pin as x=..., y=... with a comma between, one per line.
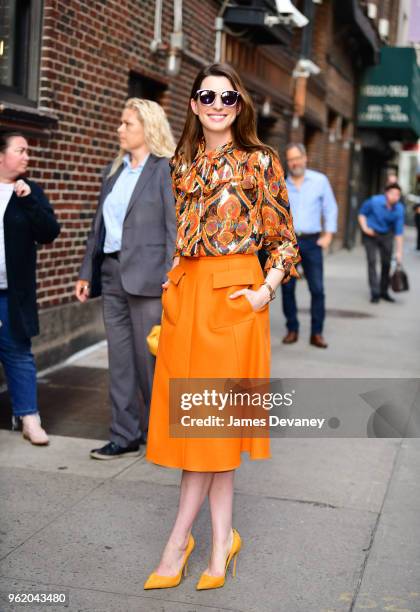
x=88, y=57
x=67, y=67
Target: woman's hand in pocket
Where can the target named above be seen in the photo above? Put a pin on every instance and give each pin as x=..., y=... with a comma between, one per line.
x=258, y=299
x=175, y=263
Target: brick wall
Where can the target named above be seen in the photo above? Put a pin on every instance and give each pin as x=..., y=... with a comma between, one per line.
x=88, y=51
x=385, y=9
x=329, y=145
x=4, y=38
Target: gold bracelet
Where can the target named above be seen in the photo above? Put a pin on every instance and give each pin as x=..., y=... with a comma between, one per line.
x=270, y=289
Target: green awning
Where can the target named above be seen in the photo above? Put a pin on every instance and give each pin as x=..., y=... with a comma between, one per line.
x=390, y=94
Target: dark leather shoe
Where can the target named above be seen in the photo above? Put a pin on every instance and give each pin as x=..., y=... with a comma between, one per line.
x=318, y=340
x=387, y=297
x=374, y=299
x=113, y=451
x=291, y=337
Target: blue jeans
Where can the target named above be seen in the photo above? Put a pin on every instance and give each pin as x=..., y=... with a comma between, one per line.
x=312, y=264
x=19, y=365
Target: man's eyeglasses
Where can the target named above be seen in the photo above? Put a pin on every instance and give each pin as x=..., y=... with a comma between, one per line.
x=208, y=97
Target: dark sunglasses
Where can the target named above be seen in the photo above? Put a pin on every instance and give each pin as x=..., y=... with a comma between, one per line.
x=208, y=97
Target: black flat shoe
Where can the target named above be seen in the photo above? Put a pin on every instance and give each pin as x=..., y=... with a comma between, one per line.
x=387, y=297
x=374, y=299
x=113, y=451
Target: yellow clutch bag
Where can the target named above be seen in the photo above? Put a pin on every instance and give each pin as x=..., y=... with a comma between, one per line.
x=153, y=339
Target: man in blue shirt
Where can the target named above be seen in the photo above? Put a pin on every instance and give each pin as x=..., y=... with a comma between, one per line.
x=381, y=218
x=314, y=211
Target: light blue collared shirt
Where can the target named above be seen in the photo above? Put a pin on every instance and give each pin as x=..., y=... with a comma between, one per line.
x=116, y=204
x=313, y=204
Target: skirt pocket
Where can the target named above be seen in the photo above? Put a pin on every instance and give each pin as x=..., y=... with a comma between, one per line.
x=225, y=311
x=172, y=296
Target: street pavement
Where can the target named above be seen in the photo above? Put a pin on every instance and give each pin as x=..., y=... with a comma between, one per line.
x=328, y=525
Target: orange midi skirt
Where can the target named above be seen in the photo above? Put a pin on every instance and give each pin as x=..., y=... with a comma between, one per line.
x=205, y=334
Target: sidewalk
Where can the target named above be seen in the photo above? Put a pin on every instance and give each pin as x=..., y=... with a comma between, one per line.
x=328, y=525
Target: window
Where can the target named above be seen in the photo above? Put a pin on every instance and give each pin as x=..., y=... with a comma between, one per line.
x=20, y=42
x=140, y=86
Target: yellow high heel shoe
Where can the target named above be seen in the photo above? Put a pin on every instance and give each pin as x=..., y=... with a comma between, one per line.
x=155, y=581
x=214, y=582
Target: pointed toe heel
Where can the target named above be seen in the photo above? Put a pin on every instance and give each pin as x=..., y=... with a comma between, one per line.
x=215, y=582
x=156, y=581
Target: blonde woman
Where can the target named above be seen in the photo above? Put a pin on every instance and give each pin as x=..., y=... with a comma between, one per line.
x=128, y=252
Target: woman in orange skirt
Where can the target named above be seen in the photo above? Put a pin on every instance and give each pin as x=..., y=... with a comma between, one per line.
x=231, y=201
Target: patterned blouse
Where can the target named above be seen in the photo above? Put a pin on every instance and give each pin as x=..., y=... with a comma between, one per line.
x=230, y=201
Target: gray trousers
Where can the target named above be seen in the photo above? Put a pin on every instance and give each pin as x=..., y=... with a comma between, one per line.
x=382, y=243
x=128, y=320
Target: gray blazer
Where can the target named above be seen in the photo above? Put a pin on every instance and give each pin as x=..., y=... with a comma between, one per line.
x=148, y=237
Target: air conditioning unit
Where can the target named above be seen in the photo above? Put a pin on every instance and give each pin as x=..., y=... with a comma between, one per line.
x=372, y=10
x=383, y=28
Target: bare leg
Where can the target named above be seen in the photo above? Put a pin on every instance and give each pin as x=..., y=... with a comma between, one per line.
x=194, y=488
x=221, y=507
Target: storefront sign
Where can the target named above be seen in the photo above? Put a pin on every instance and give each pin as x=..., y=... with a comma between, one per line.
x=390, y=92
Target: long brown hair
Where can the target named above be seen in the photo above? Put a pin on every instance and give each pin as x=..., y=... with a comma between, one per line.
x=244, y=128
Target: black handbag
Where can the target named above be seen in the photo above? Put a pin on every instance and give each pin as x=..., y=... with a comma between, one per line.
x=399, y=280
